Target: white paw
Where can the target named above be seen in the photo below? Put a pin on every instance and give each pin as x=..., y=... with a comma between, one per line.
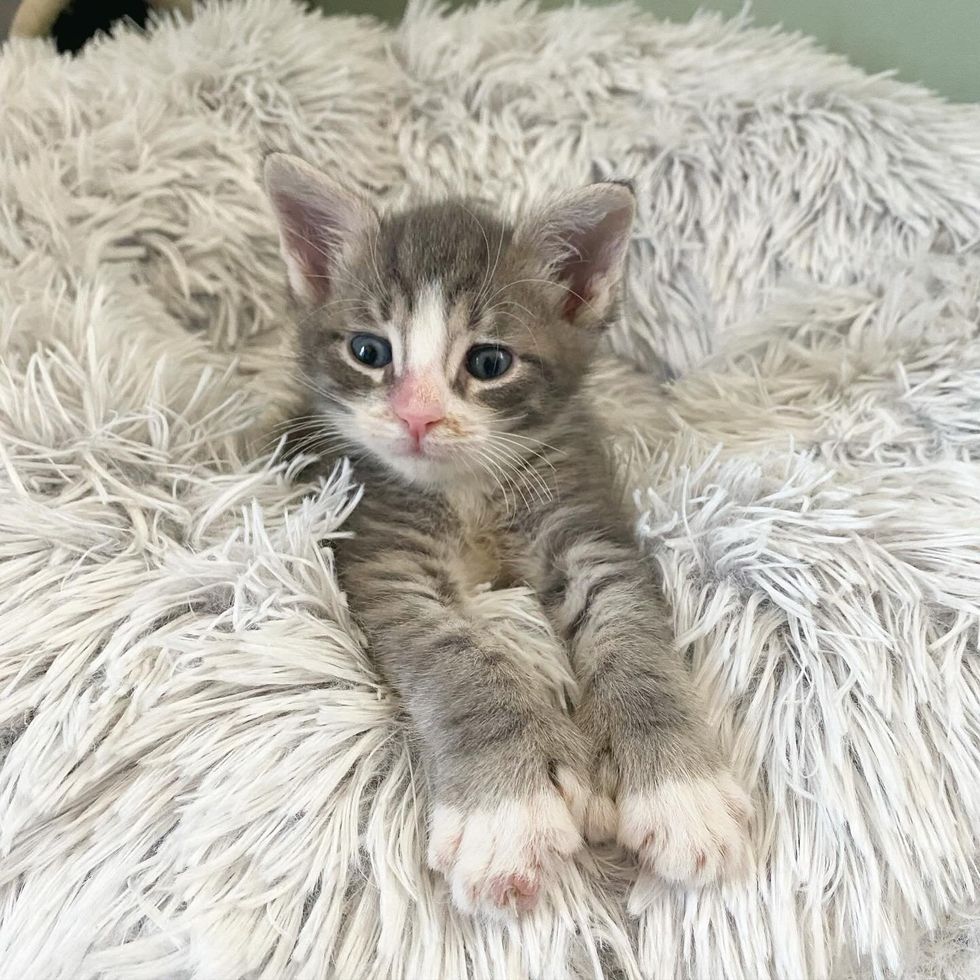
x=496, y=858
x=691, y=831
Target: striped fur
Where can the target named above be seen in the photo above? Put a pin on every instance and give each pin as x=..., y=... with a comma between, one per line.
x=514, y=488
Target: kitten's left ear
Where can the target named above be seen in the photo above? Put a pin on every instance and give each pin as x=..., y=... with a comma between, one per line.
x=318, y=222
x=583, y=239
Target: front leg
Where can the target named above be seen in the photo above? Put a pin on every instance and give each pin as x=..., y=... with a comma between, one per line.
x=661, y=786
x=505, y=764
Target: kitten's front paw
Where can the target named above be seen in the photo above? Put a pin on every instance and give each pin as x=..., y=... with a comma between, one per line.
x=496, y=857
x=689, y=830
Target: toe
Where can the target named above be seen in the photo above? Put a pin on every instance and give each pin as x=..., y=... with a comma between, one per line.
x=518, y=892
x=689, y=831
x=445, y=836
x=573, y=790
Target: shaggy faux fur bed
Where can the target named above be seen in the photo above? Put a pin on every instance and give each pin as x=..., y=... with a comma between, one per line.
x=205, y=777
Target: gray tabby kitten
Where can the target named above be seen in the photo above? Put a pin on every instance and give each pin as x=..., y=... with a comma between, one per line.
x=445, y=353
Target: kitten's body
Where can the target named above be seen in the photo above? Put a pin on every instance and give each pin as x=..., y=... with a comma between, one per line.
x=500, y=480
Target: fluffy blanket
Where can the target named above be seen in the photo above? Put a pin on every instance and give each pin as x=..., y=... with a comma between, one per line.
x=204, y=775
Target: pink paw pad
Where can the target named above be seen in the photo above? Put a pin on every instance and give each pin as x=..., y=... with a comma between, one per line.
x=518, y=891
x=496, y=860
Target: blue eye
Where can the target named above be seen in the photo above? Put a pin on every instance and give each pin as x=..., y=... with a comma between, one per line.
x=488, y=361
x=374, y=352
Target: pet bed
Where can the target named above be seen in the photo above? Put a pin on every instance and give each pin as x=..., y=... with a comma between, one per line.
x=204, y=776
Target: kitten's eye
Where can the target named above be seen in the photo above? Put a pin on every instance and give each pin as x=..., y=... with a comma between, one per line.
x=375, y=352
x=488, y=361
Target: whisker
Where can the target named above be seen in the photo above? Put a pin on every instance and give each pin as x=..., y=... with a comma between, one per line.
x=527, y=473
x=530, y=466
x=508, y=474
x=520, y=450
x=492, y=468
x=527, y=443
x=526, y=326
x=547, y=282
x=488, y=271
x=355, y=305
x=374, y=261
x=525, y=438
x=510, y=302
x=317, y=389
x=295, y=420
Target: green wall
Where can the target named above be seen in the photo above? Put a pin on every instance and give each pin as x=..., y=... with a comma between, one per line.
x=936, y=42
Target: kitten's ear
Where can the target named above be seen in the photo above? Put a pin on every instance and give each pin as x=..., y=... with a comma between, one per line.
x=583, y=238
x=317, y=221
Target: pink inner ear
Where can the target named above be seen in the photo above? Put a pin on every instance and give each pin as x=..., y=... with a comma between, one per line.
x=593, y=246
x=317, y=219
x=592, y=260
x=573, y=303
x=308, y=242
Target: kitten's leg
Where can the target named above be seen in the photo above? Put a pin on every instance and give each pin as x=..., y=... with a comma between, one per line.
x=661, y=785
x=506, y=765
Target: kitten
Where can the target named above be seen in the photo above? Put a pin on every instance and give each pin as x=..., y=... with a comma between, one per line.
x=445, y=352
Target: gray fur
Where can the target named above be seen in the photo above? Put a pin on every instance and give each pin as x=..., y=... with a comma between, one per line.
x=548, y=516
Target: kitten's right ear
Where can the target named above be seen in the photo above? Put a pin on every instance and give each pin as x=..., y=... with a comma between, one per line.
x=317, y=221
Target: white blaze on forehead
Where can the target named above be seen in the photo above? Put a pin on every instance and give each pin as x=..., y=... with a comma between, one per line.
x=426, y=332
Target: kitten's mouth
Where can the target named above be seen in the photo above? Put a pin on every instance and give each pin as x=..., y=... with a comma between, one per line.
x=423, y=451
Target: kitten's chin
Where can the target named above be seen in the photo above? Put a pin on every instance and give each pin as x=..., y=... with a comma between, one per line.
x=424, y=469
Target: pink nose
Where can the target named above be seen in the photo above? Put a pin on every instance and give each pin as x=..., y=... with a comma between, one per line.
x=419, y=419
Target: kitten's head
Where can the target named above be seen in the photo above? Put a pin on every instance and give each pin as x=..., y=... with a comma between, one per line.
x=440, y=340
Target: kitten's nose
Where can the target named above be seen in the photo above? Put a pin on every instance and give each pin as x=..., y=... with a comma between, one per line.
x=416, y=400
x=419, y=419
